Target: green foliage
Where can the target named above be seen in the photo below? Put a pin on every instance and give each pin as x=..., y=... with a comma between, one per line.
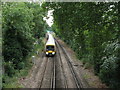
x=9, y=68
x=17, y=35
x=91, y=29
x=23, y=25
x=108, y=71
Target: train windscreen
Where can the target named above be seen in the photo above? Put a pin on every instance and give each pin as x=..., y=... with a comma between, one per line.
x=48, y=48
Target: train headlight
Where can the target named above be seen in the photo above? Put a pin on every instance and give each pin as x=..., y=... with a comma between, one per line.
x=53, y=52
x=46, y=52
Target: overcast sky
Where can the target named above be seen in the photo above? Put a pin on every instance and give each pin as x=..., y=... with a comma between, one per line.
x=49, y=20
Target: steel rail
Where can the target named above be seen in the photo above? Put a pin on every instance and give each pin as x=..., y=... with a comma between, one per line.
x=53, y=80
x=43, y=74
x=75, y=76
x=65, y=81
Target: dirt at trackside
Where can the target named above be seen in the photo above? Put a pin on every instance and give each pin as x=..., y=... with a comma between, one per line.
x=88, y=74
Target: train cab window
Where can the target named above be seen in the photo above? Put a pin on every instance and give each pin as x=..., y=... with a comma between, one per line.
x=50, y=48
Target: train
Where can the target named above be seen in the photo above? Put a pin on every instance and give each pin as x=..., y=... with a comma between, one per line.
x=50, y=47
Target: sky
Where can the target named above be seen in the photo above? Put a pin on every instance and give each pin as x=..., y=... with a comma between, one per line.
x=49, y=20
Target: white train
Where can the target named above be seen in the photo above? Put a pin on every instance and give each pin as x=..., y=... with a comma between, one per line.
x=50, y=47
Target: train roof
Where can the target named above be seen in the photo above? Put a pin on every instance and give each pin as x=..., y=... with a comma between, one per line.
x=51, y=40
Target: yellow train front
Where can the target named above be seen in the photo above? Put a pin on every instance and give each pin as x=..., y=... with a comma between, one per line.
x=50, y=48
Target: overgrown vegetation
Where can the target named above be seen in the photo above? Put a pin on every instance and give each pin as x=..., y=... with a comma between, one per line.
x=23, y=28
x=92, y=30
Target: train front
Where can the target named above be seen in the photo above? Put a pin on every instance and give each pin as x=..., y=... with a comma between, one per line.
x=50, y=47
x=50, y=50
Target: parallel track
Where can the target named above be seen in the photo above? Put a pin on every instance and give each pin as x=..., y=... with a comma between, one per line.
x=51, y=76
x=53, y=79
x=75, y=76
x=43, y=74
x=65, y=81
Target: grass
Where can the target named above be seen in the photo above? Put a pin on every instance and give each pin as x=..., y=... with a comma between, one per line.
x=87, y=65
x=86, y=76
x=11, y=82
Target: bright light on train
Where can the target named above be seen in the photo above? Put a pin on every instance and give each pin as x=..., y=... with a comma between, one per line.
x=53, y=53
x=47, y=53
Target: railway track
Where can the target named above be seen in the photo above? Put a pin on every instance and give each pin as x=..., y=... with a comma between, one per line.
x=77, y=82
x=44, y=66
x=53, y=77
x=48, y=75
x=61, y=68
x=58, y=71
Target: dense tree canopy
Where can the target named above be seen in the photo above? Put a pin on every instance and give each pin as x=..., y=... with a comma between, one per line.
x=23, y=25
x=92, y=30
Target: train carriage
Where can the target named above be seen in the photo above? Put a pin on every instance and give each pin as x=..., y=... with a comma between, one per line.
x=50, y=47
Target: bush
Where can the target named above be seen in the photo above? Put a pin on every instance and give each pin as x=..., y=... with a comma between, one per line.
x=9, y=68
x=108, y=71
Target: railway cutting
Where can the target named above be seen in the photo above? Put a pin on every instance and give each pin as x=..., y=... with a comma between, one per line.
x=56, y=69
